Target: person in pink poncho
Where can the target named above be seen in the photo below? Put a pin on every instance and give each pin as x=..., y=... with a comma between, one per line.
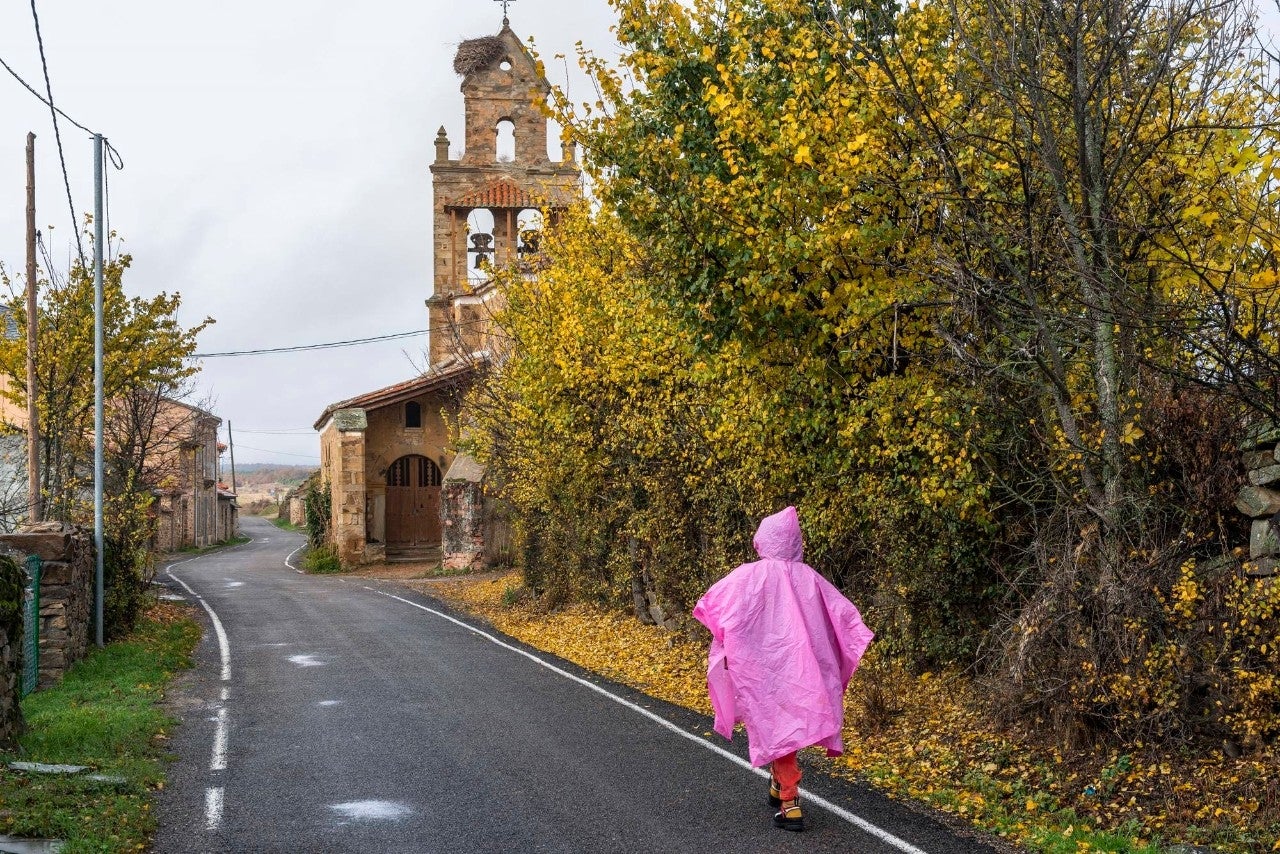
x=784, y=644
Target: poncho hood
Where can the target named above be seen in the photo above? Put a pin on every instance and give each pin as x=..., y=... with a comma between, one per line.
x=784, y=644
x=779, y=536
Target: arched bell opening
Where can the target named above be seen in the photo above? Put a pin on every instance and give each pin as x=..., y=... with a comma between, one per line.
x=481, y=246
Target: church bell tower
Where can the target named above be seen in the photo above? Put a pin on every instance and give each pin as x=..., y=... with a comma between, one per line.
x=490, y=200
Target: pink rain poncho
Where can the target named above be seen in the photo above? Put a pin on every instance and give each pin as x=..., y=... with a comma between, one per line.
x=785, y=643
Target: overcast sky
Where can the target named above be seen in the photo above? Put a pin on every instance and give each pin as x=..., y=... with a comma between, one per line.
x=276, y=171
x=276, y=160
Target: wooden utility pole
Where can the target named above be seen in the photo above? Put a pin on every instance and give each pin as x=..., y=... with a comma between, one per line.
x=33, y=423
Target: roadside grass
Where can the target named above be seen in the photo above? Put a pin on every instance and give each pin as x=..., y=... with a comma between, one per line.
x=199, y=550
x=321, y=561
x=105, y=715
x=286, y=525
x=929, y=738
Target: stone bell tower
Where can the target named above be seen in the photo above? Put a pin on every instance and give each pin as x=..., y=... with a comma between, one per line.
x=487, y=200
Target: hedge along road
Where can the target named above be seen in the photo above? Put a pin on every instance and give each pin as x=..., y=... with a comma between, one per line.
x=343, y=715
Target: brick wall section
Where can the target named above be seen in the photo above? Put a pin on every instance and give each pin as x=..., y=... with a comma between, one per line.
x=66, y=592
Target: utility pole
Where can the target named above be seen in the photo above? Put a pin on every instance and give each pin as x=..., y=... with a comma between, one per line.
x=97, y=384
x=33, y=423
x=231, y=443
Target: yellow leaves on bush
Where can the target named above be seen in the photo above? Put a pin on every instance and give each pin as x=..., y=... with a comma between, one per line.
x=614, y=645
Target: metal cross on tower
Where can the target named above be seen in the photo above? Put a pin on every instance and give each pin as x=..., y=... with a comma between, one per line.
x=505, y=4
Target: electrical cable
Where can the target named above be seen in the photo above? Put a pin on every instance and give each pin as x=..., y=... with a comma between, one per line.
x=281, y=453
x=40, y=97
x=113, y=155
x=282, y=431
x=301, y=347
x=57, y=134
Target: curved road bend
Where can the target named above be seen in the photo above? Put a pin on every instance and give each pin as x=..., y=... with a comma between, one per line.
x=324, y=715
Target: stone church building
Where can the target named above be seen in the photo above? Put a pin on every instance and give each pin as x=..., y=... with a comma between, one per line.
x=398, y=487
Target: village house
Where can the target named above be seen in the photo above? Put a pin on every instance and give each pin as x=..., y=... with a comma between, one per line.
x=399, y=489
x=193, y=507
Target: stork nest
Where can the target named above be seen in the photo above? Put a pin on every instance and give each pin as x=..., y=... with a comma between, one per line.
x=475, y=54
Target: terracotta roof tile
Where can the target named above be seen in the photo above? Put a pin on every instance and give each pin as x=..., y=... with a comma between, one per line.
x=436, y=378
x=502, y=193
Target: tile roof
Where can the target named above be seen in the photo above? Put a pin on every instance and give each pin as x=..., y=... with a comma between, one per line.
x=503, y=193
x=440, y=376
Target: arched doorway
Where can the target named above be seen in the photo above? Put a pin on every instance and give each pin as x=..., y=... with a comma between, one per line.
x=413, y=502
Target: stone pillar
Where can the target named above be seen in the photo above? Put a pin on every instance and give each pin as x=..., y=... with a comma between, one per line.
x=348, y=520
x=66, y=591
x=462, y=515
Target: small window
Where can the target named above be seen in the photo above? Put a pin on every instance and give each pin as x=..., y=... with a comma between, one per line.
x=505, y=65
x=413, y=414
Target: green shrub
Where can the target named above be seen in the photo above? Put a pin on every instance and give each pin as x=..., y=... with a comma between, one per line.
x=126, y=579
x=322, y=560
x=318, y=505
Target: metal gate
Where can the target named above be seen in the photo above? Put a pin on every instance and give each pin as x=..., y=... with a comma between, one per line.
x=31, y=628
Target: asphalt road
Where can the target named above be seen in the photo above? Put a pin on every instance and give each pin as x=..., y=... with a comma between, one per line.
x=330, y=714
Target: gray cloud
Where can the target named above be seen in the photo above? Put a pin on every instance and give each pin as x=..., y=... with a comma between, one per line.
x=276, y=172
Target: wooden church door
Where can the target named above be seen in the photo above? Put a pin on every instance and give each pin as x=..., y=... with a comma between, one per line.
x=413, y=502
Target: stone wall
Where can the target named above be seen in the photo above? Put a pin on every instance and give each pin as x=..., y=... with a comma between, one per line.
x=1260, y=499
x=298, y=510
x=66, y=591
x=10, y=677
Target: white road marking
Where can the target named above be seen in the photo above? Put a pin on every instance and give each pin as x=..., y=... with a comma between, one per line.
x=213, y=808
x=291, y=554
x=857, y=821
x=235, y=584
x=375, y=810
x=327, y=703
x=224, y=646
x=218, y=762
x=306, y=661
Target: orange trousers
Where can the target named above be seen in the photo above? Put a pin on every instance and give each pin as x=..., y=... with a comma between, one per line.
x=787, y=772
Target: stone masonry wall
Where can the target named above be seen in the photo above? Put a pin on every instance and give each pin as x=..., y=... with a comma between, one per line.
x=1260, y=500
x=342, y=466
x=66, y=591
x=10, y=711
x=462, y=503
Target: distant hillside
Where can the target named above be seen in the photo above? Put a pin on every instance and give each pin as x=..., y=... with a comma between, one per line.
x=264, y=474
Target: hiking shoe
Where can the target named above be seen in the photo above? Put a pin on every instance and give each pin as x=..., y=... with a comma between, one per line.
x=789, y=817
x=775, y=793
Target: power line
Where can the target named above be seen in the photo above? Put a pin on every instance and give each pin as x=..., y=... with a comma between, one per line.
x=278, y=431
x=300, y=347
x=281, y=453
x=57, y=134
x=40, y=97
